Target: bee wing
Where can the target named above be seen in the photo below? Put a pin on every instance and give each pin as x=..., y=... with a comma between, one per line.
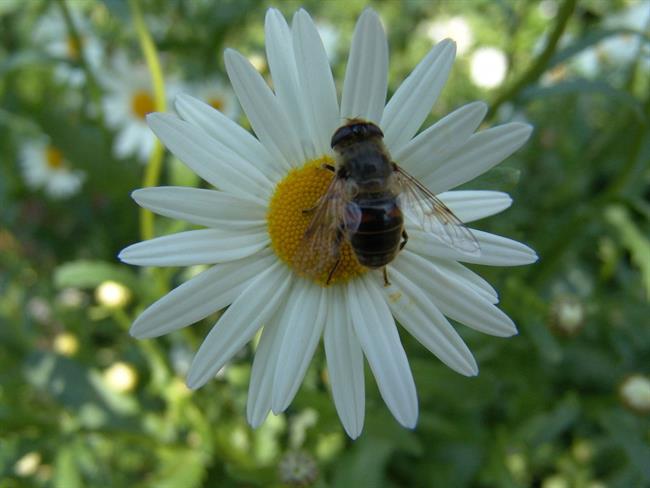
x=433, y=215
x=333, y=217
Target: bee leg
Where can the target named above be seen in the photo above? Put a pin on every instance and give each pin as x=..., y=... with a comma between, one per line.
x=405, y=236
x=329, y=167
x=386, y=282
x=337, y=243
x=331, y=273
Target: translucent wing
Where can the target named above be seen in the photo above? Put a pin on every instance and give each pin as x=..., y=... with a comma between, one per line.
x=433, y=215
x=333, y=216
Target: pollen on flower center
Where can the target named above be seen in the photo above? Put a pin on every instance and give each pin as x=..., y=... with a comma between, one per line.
x=142, y=103
x=74, y=48
x=53, y=157
x=216, y=103
x=287, y=221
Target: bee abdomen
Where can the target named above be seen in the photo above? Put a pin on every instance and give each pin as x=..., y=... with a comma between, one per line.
x=376, y=241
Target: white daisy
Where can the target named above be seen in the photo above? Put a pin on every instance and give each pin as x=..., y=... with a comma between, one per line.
x=256, y=221
x=488, y=67
x=52, y=33
x=456, y=28
x=128, y=99
x=45, y=166
x=218, y=95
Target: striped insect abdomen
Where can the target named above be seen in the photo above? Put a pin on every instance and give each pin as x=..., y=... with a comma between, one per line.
x=377, y=239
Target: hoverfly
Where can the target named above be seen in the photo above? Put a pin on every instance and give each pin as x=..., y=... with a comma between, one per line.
x=364, y=205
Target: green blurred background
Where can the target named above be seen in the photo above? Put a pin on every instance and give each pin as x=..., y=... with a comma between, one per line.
x=564, y=404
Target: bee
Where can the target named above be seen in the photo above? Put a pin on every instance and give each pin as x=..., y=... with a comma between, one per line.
x=365, y=205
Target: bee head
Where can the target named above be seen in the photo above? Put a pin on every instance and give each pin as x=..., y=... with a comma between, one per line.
x=355, y=130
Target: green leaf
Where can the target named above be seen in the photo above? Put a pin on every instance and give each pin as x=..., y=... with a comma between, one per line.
x=89, y=274
x=179, y=467
x=66, y=470
x=627, y=432
x=364, y=465
x=549, y=426
x=582, y=86
x=634, y=241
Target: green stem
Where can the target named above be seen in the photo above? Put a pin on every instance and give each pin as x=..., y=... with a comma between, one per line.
x=154, y=166
x=538, y=66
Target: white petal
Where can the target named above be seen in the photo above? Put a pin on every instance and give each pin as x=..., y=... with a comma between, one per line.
x=468, y=278
x=345, y=364
x=284, y=72
x=471, y=205
x=203, y=246
x=299, y=340
x=267, y=117
x=435, y=144
x=260, y=388
x=481, y=152
x=230, y=134
x=377, y=334
x=212, y=290
x=417, y=314
x=239, y=323
x=203, y=207
x=494, y=250
x=127, y=141
x=315, y=76
x=456, y=300
x=412, y=101
x=212, y=162
x=366, y=74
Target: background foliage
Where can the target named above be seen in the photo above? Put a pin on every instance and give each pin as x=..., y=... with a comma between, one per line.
x=84, y=404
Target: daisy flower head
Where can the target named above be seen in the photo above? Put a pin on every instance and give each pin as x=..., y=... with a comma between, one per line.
x=128, y=99
x=216, y=93
x=258, y=219
x=52, y=33
x=44, y=166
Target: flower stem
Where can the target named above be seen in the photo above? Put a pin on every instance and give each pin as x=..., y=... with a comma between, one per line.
x=538, y=66
x=154, y=166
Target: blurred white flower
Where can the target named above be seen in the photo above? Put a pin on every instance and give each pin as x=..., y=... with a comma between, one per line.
x=455, y=28
x=218, y=95
x=44, y=166
x=616, y=50
x=121, y=377
x=635, y=391
x=71, y=297
x=28, y=464
x=488, y=67
x=112, y=294
x=258, y=61
x=52, y=34
x=587, y=62
x=129, y=98
x=39, y=309
x=66, y=344
x=547, y=9
x=624, y=48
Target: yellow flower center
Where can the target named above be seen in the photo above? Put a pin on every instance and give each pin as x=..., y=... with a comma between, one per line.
x=74, y=48
x=216, y=103
x=287, y=222
x=142, y=103
x=53, y=157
